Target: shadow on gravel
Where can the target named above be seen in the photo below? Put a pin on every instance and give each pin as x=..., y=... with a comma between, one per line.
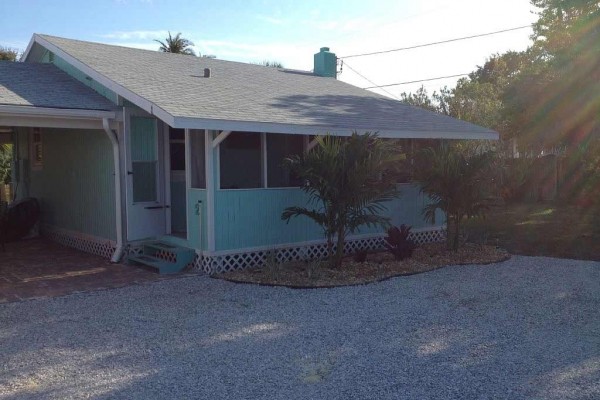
x=527, y=328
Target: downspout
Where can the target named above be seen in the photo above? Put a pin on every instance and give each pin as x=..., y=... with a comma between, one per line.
x=112, y=136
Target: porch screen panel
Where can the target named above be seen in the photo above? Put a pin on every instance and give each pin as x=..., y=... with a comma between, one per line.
x=240, y=161
x=280, y=146
x=144, y=159
x=198, y=167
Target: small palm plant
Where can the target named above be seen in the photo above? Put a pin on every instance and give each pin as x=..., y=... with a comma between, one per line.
x=458, y=183
x=348, y=185
x=176, y=44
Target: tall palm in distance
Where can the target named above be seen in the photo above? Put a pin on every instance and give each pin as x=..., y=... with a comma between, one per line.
x=176, y=44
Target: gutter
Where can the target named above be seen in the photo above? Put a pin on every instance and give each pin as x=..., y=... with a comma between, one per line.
x=118, y=254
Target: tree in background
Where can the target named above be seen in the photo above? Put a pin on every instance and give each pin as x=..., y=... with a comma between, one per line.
x=176, y=45
x=5, y=163
x=421, y=99
x=347, y=185
x=8, y=54
x=556, y=100
x=270, y=63
x=458, y=182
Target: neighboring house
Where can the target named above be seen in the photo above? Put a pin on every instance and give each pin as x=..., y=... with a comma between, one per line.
x=123, y=145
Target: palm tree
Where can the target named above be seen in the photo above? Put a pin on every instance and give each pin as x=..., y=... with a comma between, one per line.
x=458, y=183
x=176, y=44
x=347, y=185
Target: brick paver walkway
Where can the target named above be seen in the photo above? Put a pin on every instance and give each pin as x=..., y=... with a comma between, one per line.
x=38, y=268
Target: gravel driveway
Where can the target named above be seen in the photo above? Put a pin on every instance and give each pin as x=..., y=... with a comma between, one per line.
x=525, y=328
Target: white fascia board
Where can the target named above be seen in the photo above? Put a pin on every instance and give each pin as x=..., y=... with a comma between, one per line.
x=139, y=101
x=46, y=122
x=25, y=55
x=54, y=117
x=57, y=112
x=269, y=127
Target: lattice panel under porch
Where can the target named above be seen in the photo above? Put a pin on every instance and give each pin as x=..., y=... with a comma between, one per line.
x=231, y=262
x=97, y=246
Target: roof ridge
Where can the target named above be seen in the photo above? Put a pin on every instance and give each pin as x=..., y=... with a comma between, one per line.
x=163, y=54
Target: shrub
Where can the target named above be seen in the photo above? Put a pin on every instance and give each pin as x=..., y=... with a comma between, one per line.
x=348, y=186
x=457, y=182
x=398, y=243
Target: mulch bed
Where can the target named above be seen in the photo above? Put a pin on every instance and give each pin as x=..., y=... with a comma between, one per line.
x=377, y=267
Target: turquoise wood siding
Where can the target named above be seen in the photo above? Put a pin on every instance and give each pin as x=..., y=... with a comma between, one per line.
x=196, y=221
x=80, y=76
x=76, y=183
x=252, y=218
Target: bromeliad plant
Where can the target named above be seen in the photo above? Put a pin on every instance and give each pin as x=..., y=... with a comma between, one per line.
x=458, y=182
x=398, y=243
x=348, y=184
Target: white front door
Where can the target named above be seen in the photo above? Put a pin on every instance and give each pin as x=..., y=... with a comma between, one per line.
x=146, y=216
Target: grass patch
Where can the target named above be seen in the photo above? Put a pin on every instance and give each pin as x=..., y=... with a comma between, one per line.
x=554, y=230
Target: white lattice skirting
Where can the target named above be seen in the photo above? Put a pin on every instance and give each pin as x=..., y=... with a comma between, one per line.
x=227, y=261
x=87, y=243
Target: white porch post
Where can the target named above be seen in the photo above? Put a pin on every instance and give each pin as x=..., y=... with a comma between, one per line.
x=210, y=189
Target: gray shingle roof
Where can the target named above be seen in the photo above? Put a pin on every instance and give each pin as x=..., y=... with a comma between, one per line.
x=44, y=85
x=253, y=93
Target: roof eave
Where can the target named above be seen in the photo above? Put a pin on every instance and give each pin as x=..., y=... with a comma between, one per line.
x=31, y=116
x=294, y=129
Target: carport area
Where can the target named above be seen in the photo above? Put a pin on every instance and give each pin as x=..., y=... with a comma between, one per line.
x=39, y=268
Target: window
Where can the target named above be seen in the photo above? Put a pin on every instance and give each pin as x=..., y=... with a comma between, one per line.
x=240, y=161
x=279, y=147
x=37, y=154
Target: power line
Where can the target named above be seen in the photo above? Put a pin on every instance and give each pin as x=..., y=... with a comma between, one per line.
x=417, y=81
x=435, y=43
x=368, y=80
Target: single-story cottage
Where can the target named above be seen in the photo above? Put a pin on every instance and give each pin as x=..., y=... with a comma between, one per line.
x=133, y=151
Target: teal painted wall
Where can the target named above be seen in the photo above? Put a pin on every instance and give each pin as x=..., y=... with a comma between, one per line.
x=80, y=76
x=75, y=186
x=252, y=218
x=196, y=224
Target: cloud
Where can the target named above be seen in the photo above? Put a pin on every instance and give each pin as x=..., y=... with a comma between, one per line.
x=136, y=35
x=137, y=45
x=271, y=20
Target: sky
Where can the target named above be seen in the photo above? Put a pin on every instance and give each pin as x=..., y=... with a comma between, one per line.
x=292, y=31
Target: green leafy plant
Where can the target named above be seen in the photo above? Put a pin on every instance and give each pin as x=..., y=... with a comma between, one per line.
x=272, y=266
x=347, y=184
x=457, y=182
x=398, y=243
